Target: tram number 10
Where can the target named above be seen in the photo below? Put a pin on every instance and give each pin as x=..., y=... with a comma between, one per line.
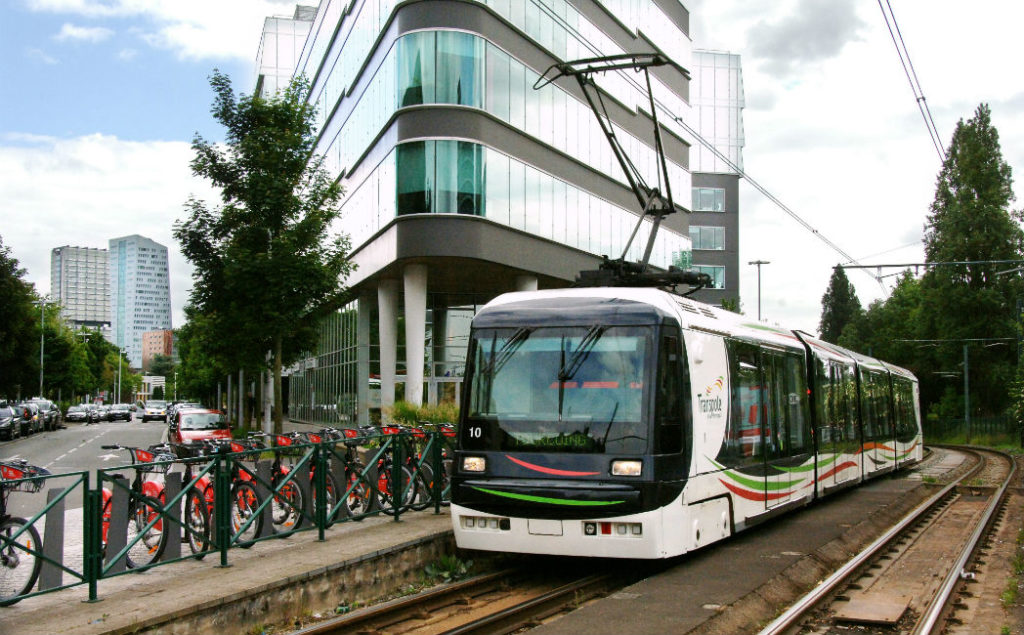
x=475, y=432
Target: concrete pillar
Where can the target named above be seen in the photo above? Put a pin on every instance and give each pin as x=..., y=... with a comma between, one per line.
x=415, y=331
x=363, y=309
x=387, y=309
x=526, y=283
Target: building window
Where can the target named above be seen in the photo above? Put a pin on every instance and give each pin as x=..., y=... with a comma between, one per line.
x=440, y=177
x=460, y=61
x=708, y=199
x=712, y=238
x=717, y=275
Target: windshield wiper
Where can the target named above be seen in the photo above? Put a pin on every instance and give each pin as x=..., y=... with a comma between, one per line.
x=507, y=350
x=572, y=365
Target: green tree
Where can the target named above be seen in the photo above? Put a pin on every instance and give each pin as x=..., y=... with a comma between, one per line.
x=19, y=328
x=839, y=306
x=970, y=220
x=266, y=270
x=199, y=370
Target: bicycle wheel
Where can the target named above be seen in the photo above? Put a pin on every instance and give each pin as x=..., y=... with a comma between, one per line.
x=147, y=545
x=362, y=499
x=288, y=505
x=244, y=503
x=196, y=524
x=422, y=486
x=388, y=488
x=19, y=562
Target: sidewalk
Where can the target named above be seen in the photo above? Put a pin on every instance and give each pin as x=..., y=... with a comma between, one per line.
x=274, y=580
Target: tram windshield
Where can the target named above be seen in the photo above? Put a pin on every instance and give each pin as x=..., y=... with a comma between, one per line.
x=559, y=389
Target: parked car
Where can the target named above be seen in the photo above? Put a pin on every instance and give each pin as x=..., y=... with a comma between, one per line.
x=155, y=409
x=191, y=425
x=50, y=413
x=82, y=414
x=120, y=412
x=77, y=414
x=10, y=421
x=31, y=418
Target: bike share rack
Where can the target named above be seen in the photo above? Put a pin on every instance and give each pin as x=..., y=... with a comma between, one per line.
x=99, y=562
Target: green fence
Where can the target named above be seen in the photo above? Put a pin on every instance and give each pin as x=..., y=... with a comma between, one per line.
x=1001, y=430
x=168, y=508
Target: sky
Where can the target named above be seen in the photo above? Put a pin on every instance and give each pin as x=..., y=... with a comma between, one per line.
x=100, y=100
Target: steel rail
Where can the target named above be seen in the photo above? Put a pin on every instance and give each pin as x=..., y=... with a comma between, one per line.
x=515, y=617
x=356, y=620
x=793, y=614
x=938, y=604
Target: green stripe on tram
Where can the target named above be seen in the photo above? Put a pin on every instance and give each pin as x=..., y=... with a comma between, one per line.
x=545, y=499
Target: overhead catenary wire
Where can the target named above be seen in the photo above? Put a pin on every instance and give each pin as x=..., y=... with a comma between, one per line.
x=908, y=69
x=714, y=150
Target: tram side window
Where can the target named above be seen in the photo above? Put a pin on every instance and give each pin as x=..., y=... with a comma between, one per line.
x=742, y=442
x=670, y=394
x=867, y=405
x=798, y=407
x=906, y=423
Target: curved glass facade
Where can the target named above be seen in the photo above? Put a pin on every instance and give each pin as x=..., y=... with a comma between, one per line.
x=453, y=67
x=447, y=176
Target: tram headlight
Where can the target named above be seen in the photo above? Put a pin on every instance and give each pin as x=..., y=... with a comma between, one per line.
x=626, y=468
x=474, y=464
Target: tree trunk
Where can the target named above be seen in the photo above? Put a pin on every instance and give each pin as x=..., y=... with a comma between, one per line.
x=278, y=406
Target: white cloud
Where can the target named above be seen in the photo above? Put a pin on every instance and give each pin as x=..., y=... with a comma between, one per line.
x=85, y=190
x=127, y=55
x=193, y=29
x=70, y=32
x=42, y=56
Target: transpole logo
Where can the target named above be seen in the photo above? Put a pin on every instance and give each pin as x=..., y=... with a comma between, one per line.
x=710, y=401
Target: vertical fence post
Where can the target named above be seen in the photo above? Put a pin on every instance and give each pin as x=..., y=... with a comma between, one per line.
x=398, y=473
x=92, y=534
x=437, y=484
x=222, y=507
x=320, y=486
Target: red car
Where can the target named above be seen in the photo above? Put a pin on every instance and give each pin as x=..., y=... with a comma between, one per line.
x=196, y=424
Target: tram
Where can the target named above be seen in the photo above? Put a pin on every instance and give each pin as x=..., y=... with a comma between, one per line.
x=632, y=422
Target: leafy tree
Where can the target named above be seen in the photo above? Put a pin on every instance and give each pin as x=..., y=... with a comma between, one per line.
x=732, y=304
x=266, y=271
x=971, y=221
x=158, y=392
x=199, y=371
x=839, y=306
x=884, y=330
x=19, y=333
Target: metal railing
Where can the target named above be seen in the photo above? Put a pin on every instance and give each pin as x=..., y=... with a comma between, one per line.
x=142, y=515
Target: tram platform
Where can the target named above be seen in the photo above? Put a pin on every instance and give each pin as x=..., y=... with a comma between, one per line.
x=273, y=580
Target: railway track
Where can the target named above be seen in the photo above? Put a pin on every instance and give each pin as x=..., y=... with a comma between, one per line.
x=495, y=603
x=905, y=581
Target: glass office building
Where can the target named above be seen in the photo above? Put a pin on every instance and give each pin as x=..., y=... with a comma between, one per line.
x=718, y=103
x=140, y=292
x=464, y=179
x=80, y=283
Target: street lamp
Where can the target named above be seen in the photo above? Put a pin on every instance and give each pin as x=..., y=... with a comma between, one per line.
x=42, y=344
x=759, y=263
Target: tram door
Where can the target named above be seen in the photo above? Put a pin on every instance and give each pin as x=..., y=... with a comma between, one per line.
x=838, y=441
x=787, y=421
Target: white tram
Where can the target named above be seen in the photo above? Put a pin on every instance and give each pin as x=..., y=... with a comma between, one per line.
x=635, y=423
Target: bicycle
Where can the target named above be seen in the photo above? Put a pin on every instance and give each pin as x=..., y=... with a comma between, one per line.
x=146, y=536
x=199, y=500
x=359, y=493
x=246, y=523
x=20, y=560
x=289, y=498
